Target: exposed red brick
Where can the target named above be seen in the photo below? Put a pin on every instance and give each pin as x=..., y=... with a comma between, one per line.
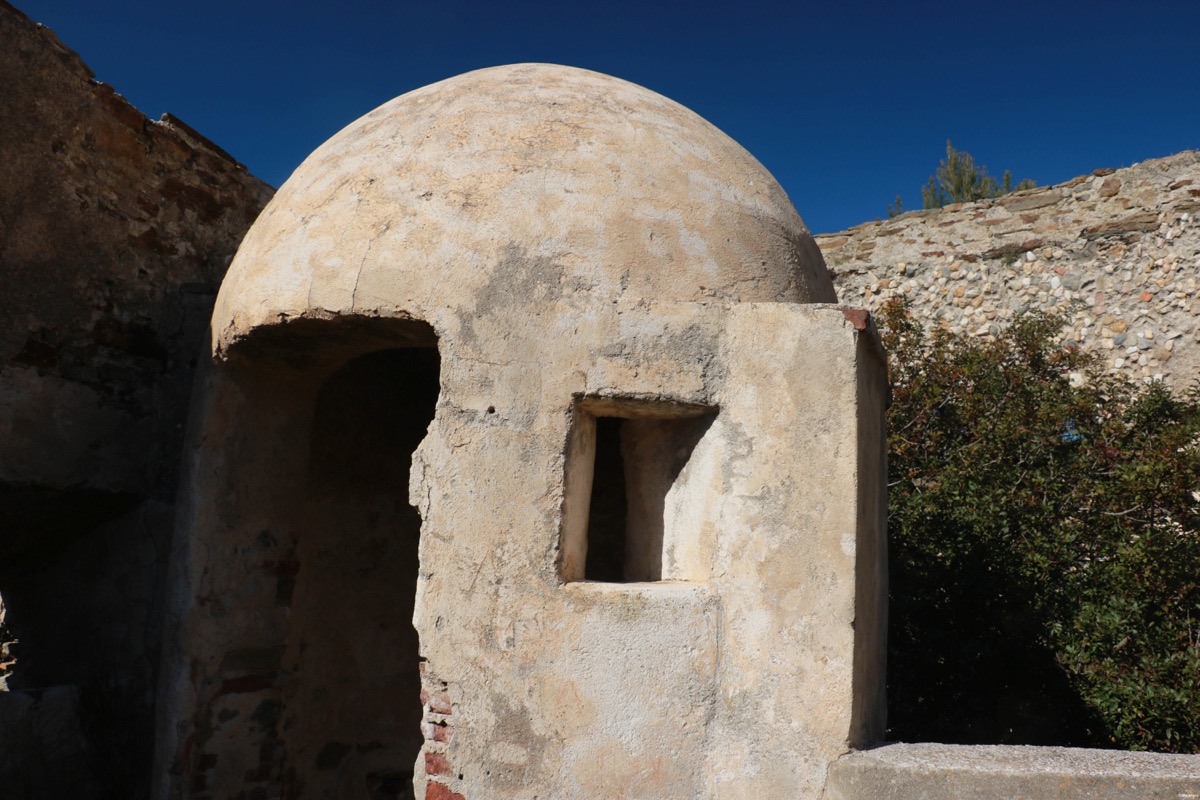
x=440, y=791
x=118, y=107
x=169, y=119
x=858, y=317
x=441, y=732
x=438, y=702
x=1014, y=248
x=437, y=764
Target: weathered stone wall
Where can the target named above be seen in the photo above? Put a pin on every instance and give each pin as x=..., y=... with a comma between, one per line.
x=1117, y=251
x=115, y=232
x=585, y=257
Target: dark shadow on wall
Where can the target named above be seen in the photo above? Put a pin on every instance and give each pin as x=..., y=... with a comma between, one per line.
x=80, y=574
x=352, y=714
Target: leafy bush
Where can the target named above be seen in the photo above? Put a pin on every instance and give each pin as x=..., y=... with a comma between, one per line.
x=1045, y=545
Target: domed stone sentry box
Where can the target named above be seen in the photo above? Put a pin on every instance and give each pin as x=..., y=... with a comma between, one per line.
x=531, y=461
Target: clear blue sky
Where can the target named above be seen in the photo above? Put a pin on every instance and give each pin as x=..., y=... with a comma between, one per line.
x=847, y=103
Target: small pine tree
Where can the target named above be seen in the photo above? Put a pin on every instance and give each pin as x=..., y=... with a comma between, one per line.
x=959, y=179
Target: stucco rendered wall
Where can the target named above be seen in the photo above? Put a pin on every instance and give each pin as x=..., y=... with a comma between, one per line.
x=736, y=676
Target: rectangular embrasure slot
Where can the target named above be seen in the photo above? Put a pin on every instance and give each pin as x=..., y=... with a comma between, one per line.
x=623, y=462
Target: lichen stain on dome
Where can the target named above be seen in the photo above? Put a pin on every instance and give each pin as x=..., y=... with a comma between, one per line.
x=628, y=194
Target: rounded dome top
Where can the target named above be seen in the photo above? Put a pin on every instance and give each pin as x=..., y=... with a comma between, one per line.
x=542, y=182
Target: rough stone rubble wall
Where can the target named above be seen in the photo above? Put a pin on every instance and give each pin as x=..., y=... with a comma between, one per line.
x=115, y=232
x=1118, y=251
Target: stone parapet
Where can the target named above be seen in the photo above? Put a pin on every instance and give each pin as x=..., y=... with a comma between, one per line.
x=1117, y=252
x=957, y=772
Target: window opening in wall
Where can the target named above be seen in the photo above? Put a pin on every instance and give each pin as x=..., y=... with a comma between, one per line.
x=607, y=509
x=625, y=457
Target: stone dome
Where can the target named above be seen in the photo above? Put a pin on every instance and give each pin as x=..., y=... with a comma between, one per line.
x=549, y=183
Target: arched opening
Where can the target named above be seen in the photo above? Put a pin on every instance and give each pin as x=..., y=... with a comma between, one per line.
x=297, y=634
x=351, y=709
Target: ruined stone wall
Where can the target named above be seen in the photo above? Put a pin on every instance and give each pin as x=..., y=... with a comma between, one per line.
x=115, y=232
x=1118, y=251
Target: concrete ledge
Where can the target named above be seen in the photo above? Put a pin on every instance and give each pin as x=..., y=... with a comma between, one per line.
x=958, y=772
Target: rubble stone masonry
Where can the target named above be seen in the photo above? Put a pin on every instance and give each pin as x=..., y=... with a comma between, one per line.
x=1117, y=251
x=115, y=232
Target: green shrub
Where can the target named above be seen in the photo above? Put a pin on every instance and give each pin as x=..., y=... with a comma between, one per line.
x=1045, y=545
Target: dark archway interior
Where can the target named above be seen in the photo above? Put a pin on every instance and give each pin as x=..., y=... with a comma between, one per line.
x=352, y=709
x=608, y=508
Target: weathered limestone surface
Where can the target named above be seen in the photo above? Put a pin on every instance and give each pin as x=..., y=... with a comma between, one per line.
x=115, y=232
x=498, y=264
x=615, y=191
x=1118, y=251
x=956, y=772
